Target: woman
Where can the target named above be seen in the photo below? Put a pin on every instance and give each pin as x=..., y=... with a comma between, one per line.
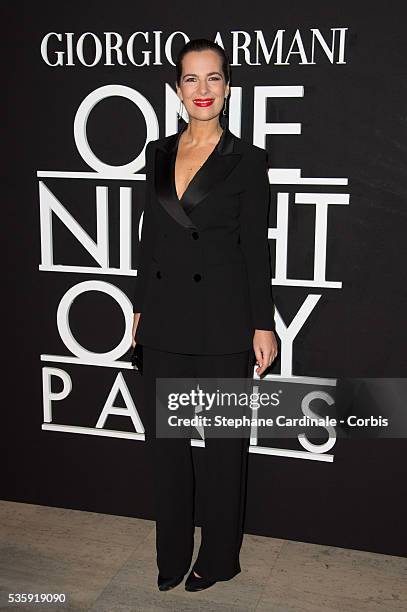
x=202, y=304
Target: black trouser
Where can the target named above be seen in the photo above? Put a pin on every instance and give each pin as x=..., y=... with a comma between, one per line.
x=225, y=471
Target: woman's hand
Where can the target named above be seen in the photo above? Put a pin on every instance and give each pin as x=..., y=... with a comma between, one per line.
x=265, y=348
x=136, y=319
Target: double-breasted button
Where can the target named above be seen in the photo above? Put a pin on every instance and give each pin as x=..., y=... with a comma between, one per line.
x=195, y=235
x=197, y=277
x=158, y=274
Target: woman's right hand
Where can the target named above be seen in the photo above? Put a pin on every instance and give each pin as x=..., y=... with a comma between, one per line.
x=136, y=319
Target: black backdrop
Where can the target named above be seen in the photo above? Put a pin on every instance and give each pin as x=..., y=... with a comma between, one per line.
x=352, y=128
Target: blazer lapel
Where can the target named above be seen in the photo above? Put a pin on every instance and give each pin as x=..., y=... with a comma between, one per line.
x=216, y=168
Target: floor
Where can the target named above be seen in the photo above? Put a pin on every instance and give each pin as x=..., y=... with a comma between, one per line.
x=106, y=563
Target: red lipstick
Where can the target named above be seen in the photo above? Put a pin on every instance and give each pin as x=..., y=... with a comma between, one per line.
x=203, y=102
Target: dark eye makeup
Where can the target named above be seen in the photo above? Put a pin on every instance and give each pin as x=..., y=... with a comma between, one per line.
x=216, y=78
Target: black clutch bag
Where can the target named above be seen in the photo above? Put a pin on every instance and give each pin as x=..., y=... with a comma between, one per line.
x=137, y=357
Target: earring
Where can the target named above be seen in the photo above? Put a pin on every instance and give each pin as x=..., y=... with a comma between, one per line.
x=224, y=108
x=179, y=112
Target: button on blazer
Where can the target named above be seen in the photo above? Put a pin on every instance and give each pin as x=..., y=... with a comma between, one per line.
x=203, y=282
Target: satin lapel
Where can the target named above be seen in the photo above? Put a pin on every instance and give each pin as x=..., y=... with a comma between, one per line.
x=163, y=188
x=214, y=171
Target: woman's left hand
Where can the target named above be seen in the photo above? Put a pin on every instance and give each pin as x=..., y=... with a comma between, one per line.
x=265, y=348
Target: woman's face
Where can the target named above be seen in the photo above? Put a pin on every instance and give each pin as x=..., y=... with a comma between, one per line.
x=202, y=87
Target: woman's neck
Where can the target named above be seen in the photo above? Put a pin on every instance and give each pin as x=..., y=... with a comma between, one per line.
x=201, y=133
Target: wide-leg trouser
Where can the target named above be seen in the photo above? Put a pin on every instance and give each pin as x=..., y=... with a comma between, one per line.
x=225, y=474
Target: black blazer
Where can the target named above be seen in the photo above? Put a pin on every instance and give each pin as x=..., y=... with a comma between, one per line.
x=203, y=281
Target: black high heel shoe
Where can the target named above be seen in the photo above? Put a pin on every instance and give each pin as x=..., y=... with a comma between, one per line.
x=192, y=583
x=165, y=584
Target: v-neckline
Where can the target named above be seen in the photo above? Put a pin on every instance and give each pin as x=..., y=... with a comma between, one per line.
x=174, y=159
